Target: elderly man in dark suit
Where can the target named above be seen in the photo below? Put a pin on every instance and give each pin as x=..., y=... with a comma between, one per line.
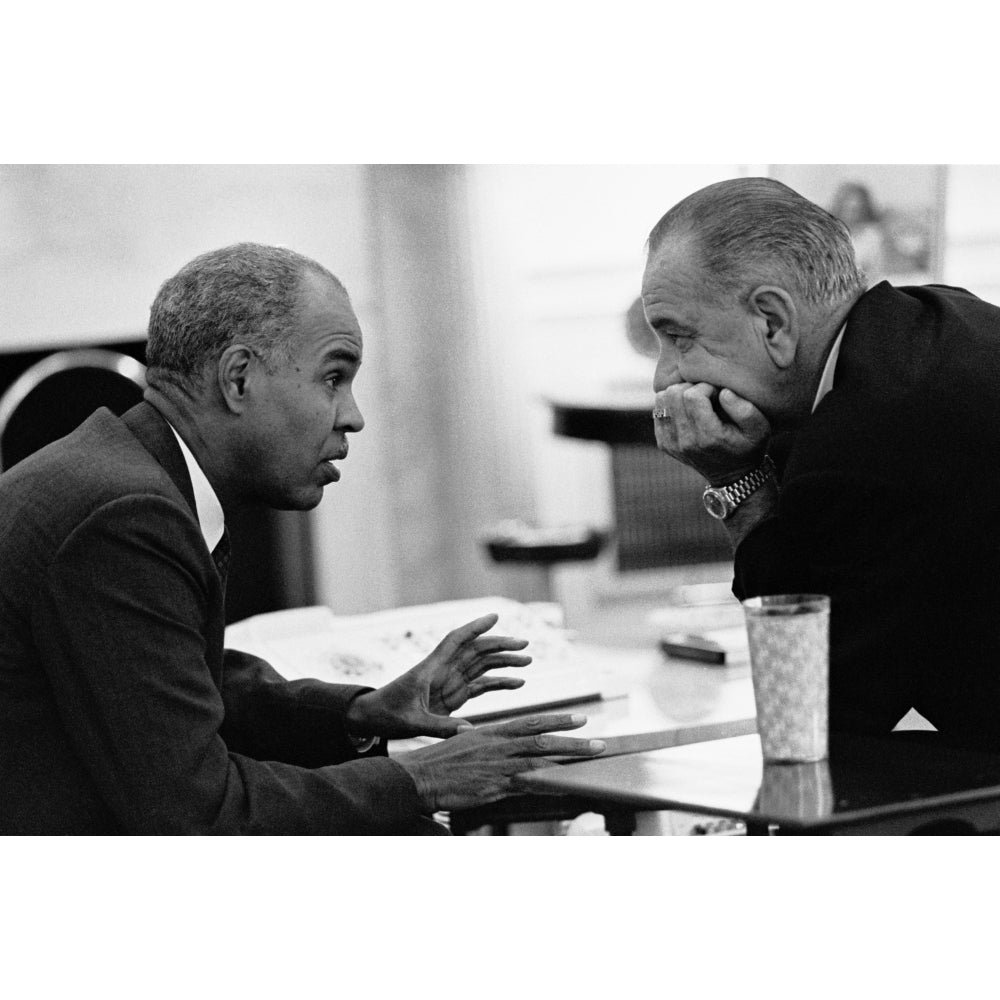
x=120, y=711
x=888, y=401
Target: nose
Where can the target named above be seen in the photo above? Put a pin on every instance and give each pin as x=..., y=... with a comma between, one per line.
x=349, y=417
x=667, y=371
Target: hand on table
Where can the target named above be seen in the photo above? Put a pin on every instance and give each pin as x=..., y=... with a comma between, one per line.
x=722, y=447
x=478, y=766
x=419, y=702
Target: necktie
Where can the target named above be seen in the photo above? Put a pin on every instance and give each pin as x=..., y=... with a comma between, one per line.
x=220, y=554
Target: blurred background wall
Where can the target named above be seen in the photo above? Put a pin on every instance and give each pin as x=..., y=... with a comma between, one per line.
x=482, y=291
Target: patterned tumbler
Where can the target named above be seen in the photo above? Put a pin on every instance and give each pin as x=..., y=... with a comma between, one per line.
x=789, y=638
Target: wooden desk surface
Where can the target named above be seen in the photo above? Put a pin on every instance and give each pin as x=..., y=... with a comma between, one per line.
x=663, y=702
x=654, y=702
x=870, y=784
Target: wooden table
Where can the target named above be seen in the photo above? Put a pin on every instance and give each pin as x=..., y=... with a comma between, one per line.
x=897, y=784
x=656, y=702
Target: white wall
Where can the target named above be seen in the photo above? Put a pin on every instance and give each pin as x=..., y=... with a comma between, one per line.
x=83, y=250
x=563, y=247
x=972, y=244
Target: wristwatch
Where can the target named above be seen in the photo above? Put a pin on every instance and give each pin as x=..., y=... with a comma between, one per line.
x=721, y=501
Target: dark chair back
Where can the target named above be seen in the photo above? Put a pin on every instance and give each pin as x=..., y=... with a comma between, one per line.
x=55, y=395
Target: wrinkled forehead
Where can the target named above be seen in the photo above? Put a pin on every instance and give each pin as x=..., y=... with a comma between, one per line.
x=674, y=268
x=322, y=328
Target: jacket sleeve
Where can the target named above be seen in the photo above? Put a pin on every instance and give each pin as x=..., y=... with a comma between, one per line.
x=299, y=722
x=123, y=624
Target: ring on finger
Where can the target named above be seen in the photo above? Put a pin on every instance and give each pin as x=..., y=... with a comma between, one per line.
x=660, y=414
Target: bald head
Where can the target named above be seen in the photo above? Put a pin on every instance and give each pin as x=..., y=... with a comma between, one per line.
x=754, y=230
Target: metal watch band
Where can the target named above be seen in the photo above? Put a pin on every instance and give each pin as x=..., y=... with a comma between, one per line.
x=750, y=483
x=721, y=501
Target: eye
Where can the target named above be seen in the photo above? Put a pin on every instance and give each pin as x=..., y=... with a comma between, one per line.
x=678, y=341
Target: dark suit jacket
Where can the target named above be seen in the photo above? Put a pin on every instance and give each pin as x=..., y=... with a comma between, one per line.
x=119, y=709
x=890, y=503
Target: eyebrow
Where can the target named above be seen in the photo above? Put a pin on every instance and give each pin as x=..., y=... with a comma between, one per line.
x=350, y=354
x=672, y=324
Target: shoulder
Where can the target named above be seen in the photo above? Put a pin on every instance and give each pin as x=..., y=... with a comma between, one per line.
x=930, y=306
x=100, y=465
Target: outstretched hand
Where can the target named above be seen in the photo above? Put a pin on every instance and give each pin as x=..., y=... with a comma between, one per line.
x=420, y=702
x=480, y=766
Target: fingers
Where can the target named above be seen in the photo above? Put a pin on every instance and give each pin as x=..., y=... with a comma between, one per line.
x=494, y=662
x=478, y=766
x=546, y=745
x=443, y=726
x=532, y=724
x=532, y=737
x=497, y=644
x=459, y=637
x=467, y=642
x=722, y=415
x=701, y=424
x=745, y=415
x=476, y=688
x=715, y=431
x=689, y=412
x=667, y=411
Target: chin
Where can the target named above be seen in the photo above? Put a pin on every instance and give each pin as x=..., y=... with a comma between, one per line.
x=304, y=502
x=307, y=498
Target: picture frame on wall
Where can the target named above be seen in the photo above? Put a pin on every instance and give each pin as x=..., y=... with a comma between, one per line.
x=895, y=213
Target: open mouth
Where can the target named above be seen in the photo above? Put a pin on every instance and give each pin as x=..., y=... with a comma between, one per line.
x=331, y=470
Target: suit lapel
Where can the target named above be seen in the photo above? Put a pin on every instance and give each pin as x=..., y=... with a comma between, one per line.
x=154, y=434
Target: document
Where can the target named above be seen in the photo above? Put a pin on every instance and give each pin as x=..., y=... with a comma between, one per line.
x=373, y=649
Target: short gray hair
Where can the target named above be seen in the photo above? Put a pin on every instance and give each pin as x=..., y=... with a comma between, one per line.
x=244, y=293
x=752, y=228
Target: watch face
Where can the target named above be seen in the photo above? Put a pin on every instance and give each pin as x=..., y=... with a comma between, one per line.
x=716, y=504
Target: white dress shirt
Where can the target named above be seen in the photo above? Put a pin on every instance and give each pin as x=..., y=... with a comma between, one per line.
x=826, y=379
x=211, y=519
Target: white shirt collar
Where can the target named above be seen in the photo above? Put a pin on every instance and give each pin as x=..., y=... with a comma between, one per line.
x=826, y=380
x=211, y=518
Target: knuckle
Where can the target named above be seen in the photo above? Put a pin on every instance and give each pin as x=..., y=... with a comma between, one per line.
x=538, y=763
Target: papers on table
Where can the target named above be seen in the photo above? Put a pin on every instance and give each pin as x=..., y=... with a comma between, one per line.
x=375, y=648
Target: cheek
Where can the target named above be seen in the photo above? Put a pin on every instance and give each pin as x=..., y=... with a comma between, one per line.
x=697, y=365
x=308, y=416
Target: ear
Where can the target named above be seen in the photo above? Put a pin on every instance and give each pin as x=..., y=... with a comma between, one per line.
x=778, y=323
x=234, y=368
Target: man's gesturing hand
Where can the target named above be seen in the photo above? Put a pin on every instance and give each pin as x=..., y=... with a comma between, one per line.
x=478, y=766
x=421, y=700
x=722, y=447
